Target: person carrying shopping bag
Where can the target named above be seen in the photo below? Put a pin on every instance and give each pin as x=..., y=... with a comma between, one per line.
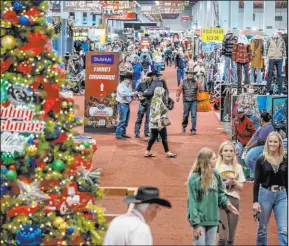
x=158, y=122
x=205, y=195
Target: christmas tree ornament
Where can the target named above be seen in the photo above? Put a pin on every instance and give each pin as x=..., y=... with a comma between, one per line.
x=17, y=6
x=4, y=170
x=69, y=230
x=11, y=175
x=42, y=165
x=29, y=235
x=86, y=144
x=58, y=165
x=70, y=104
x=30, y=141
x=58, y=221
x=24, y=20
x=3, y=189
x=64, y=104
x=10, y=16
x=86, y=151
x=31, y=150
x=8, y=42
x=31, y=192
x=12, y=167
x=63, y=226
x=8, y=157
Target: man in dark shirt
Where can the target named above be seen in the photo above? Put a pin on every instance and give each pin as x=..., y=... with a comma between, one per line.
x=190, y=88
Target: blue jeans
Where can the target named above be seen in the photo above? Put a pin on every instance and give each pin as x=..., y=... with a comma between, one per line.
x=190, y=107
x=140, y=114
x=135, y=84
x=228, y=62
x=207, y=237
x=158, y=67
x=276, y=201
x=272, y=63
x=180, y=75
x=252, y=157
x=252, y=75
x=240, y=149
x=124, y=114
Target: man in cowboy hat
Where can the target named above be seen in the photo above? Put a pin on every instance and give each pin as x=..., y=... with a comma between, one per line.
x=132, y=228
x=190, y=89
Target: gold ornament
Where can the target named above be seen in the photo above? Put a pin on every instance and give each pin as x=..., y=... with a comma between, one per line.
x=63, y=226
x=8, y=42
x=31, y=150
x=64, y=104
x=70, y=116
x=58, y=221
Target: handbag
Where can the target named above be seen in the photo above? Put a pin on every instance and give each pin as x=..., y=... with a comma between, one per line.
x=171, y=104
x=165, y=122
x=203, y=102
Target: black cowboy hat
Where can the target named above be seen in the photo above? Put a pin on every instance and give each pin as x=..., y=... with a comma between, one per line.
x=128, y=75
x=147, y=194
x=154, y=72
x=191, y=70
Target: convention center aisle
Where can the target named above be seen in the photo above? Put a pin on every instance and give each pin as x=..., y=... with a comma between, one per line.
x=123, y=165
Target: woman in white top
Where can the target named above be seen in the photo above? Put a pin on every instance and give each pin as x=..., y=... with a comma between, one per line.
x=233, y=177
x=158, y=60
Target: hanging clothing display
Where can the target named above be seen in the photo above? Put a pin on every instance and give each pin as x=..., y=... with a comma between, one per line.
x=242, y=55
x=257, y=45
x=275, y=51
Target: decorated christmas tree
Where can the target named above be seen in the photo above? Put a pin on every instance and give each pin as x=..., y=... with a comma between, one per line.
x=48, y=189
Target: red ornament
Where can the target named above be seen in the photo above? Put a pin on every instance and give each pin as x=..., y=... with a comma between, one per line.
x=69, y=100
x=86, y=151
x=31, y=22
x=42, y=165
x=24, y=67
x=5, y=104
x=35, y=142
x=32, y=12
x=5, y=65
x=35, y=84
x=10, y=16
x=12, y=167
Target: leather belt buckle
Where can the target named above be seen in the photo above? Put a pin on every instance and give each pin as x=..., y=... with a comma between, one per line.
x=275, y=188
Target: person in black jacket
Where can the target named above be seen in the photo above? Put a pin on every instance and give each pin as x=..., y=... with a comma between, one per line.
x=143, y=108
x=168, y=56
x=227, y=48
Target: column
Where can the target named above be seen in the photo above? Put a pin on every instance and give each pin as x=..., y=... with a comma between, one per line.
x=234, y=15
x=248, y=14
x=269, y=15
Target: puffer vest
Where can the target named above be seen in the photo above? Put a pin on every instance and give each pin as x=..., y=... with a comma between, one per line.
x=190, y=90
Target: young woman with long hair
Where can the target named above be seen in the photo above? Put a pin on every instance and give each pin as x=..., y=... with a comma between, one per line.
x=270, y=186
x=205, y=195
x=233, y=178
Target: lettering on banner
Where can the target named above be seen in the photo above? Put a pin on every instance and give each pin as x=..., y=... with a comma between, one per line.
x=19, y=120
x=13, y=142
x=102, y=59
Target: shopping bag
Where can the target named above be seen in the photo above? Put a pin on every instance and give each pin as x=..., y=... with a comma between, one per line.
x=203, y=102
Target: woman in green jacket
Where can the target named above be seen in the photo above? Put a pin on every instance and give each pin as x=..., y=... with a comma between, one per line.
x=205, y=195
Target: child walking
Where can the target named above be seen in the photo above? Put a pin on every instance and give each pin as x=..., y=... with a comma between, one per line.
x=233, y=178
x=205, y=195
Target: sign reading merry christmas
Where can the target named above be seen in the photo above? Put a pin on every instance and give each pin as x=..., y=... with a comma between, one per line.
x=14, y=123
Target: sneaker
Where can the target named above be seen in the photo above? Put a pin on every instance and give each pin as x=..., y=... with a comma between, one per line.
x=183, y=130
x=147, y=135
x=267, y=94
x=250, y=180
x=125, y=136
x=194, y=132
x=121, y=138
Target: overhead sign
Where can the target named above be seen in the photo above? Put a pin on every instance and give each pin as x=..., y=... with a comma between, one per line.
x=186, y=18
x=101, y=81
x=124, y=16
x=82, y=6
x=212, y=34
x=170, y=16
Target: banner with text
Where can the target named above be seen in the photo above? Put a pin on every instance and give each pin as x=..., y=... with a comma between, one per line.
x=101, y=81
x=212, y=34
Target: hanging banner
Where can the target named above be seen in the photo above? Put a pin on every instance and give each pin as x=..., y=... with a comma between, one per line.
x=212, y=34
x=82, y=6
x=101, y=81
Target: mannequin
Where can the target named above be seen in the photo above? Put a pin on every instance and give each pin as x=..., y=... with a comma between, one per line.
x=227, y=48
x=257, y=46
x=275, y=52
x=242, y=55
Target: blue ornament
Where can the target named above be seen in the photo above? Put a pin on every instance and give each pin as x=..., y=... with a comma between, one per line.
x=4, y=170
x=29, y=235
x=30, y=141
x=3, y=190
x=23, y=20
x=69, y=230
x=17, y=6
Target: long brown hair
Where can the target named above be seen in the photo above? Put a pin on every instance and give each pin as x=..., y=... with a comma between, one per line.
x=202, y=166
x=220, y=157
x=267, y=152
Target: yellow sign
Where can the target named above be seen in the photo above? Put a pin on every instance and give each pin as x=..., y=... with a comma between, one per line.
x=212, y=34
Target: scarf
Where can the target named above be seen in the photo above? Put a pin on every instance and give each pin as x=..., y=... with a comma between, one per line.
x=157, y=108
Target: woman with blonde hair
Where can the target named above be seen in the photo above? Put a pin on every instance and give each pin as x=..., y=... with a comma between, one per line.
x=270, y=186
x=233, y=177
x=205, y=195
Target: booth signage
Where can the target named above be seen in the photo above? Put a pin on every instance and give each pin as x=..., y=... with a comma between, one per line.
x=212, y=34
x=82, y=6
x=102, y=78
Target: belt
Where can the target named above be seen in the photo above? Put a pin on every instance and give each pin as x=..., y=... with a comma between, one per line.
x=273, y=188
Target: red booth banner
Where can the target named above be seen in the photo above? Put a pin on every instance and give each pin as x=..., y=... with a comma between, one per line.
x=101, y=81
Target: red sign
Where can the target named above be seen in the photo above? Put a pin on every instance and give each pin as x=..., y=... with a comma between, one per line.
x=186, y=18
x=101, y=81
x=125, y=16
